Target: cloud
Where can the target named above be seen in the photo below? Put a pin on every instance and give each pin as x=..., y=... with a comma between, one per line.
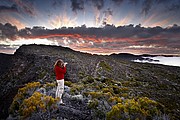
x=169, y=5
x=118, y=1
x=162, y=1
x=99, y=4
x=56, y=3
x=12, y=20
x=107, y=16
x=8, y=31
x=107, y=32
x=13, y=8
x=174, y=7
x=133, y=2
x=77, y=5
x=24, y=6
x=109, y=39
x=147, y=4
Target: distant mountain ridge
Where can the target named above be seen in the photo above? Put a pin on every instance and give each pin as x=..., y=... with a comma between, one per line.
x=129, y=56
x=35, y=63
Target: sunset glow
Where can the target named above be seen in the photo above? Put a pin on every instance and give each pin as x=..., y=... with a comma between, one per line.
x=101, y=27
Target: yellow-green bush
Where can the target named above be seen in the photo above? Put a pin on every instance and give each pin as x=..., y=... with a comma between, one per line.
x=118, y=90
x=37, y=103
x=140, y=108
x=68, y=83
x=94, y=94
x=22, y=94
x=98, y=95
x=115, y=100
x=76, y=88
x=49, y=85
x=105, y=66
x=93, y=103
x=28, y=101
x=97, y=87
x=125, y=95
x=105, y=90
x=107, y=95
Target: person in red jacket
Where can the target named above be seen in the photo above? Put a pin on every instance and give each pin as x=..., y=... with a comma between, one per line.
x=60, y=70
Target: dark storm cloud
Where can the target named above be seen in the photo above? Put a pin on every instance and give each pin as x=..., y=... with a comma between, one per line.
x=13, y=8
x=77, y=5
x=118, y=1
x=174, y=7
x=169, y=5
x=23, y=6
x=99, y=4
x=134, y=1
x=8, y=31
x=107, y=14
x=108, y=31
x=27, y=6
x=162, y=1
x=57, y=2
x=109, y=38
x=147, y=4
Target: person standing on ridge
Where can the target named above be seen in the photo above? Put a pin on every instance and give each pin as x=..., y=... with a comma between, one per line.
x=60, y=70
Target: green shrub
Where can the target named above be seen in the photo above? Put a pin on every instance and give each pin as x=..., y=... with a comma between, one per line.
x=98, y=95
x=92, y=104
x=105, y=90
x=115, y=100
x=88, y=79
x=94, y=94
x=68, y=83
x=76, y=88
x=140, y=108
x=105, y=66
x=22, y=94
x=37, y=104
x=28, y=101
x=49, y=85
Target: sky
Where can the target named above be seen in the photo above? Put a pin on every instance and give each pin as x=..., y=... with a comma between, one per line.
x=93, y=26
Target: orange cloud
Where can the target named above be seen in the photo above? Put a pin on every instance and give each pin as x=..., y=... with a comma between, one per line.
x=12, y=20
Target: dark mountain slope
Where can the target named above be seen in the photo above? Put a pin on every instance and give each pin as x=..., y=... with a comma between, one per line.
x=35, y=63
x=5, y=62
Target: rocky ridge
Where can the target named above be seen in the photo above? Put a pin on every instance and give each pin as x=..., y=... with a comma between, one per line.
x=34, y=63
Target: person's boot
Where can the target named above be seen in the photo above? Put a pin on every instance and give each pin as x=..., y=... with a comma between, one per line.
x=61, y=102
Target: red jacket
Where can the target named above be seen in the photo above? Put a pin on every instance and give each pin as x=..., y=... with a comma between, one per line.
x=59, y=72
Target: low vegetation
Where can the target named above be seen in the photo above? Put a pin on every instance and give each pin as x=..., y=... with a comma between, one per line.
x=32, y=102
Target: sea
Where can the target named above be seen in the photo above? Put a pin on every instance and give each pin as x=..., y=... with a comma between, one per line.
x=171, y=61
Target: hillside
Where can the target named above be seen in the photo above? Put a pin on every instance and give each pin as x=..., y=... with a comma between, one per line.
x=5, y=62
x=93, y=81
